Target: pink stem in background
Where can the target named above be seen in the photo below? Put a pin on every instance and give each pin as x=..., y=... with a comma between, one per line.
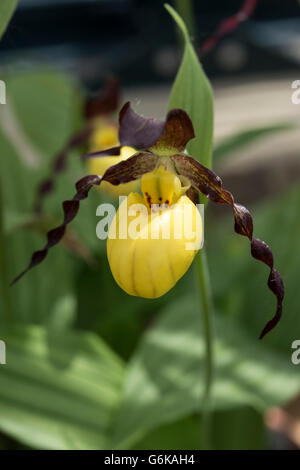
x=228, y=25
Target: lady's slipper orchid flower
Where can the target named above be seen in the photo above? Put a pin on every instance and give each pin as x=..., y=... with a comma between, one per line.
x=96, y=112
x=160, y=144
x=99, y=166
x=105, y=135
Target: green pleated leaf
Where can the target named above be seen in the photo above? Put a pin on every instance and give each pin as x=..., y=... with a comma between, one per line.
x=7, y=8
x=192, y=92
x=166, y=376
x=58, y=391
x=184, y=433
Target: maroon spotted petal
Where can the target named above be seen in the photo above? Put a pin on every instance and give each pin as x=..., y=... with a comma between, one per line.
x=178, y=131
x=131, y=169
x=208, y=183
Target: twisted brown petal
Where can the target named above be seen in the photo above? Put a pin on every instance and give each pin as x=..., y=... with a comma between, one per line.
x=131, y=169
x=210, y=184
x=125, y=171
x=193, y=194
x=111, y=152
x=70, y=209
x=106, y=102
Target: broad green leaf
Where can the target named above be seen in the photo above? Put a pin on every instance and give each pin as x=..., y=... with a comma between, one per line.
x=7, y=8
x=239, y=429
x=166, y=376
x=63, y=314
x=181, y=434
x=58, y=391
x=46, y=104
x=192, y=92
x=246, y=137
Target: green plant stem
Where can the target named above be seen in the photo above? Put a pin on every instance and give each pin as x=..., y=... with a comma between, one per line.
x=207, y=312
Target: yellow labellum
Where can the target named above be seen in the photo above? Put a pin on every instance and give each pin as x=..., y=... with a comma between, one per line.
x=145, y=266
x=162, y=187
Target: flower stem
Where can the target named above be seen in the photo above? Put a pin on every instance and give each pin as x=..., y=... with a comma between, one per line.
x=207, y=312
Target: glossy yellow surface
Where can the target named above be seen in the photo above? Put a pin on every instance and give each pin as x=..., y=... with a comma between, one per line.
x=104, y=136
x=145, y=266
x=161, y=187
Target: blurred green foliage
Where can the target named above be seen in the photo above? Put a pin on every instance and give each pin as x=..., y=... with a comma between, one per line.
x=242, y=139
x=163, y=383
x=59, y=389
x=7, y=8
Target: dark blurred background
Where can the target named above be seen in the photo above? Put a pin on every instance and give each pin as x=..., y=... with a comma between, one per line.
x=136, y=39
